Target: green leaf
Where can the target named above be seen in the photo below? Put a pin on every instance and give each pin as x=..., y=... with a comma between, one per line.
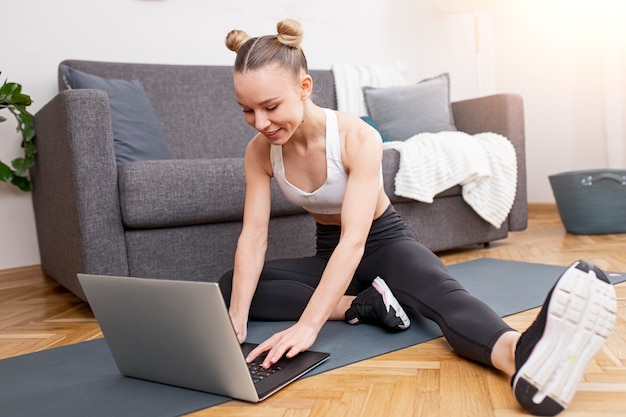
x=12, y=98
x=6, y=173
x=26, y=118
x=8, y=92
x=28, y=134
x=29, y=149
x=22, y=183
x=12, y=88
x=21, y=165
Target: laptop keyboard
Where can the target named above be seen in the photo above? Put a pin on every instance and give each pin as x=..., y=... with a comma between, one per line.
x=258, y=373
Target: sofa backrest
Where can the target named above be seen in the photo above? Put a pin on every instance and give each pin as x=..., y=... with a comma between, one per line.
x=196, y=104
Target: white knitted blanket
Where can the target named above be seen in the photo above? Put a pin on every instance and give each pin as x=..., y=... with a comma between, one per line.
x=484, y=165
x=351, y=78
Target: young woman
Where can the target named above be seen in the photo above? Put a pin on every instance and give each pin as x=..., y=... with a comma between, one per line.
x=369, y=266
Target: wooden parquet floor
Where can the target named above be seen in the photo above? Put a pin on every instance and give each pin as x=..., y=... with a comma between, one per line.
x=423, y=380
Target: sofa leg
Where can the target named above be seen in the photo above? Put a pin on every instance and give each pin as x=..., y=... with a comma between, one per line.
x=486, y=245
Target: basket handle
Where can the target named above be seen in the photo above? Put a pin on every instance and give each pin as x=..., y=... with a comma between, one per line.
x=589, y=180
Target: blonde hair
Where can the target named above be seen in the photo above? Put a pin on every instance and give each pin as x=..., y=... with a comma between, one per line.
x=283, y=48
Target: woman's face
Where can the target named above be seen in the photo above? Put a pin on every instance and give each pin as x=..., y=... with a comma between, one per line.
x=272, y=101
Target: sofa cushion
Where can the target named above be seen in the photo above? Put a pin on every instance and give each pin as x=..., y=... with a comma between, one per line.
x=404, y=111
x=186, y=192
x=137, y=133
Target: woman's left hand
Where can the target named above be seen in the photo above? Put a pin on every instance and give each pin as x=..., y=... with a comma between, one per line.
x=289, y=343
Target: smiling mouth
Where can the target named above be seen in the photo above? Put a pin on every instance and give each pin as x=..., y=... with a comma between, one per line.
x=271, y=133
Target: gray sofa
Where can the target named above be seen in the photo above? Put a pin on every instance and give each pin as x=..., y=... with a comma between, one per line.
x=179, y=218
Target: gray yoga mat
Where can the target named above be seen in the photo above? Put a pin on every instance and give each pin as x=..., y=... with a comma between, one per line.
x=82, y=379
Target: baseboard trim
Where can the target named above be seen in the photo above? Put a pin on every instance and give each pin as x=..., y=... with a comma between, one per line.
x=542, y=208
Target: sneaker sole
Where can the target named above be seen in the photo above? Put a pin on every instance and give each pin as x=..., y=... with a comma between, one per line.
x=390, y=300
x=581, y=316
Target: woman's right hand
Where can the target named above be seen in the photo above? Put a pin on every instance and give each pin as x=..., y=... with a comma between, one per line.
x=240, y=325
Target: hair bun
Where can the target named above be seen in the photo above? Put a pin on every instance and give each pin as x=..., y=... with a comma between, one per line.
x=290, y=33
x=235, y=39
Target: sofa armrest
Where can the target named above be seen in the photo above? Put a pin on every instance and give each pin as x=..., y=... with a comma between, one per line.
x=502, y=114
x=75, y=196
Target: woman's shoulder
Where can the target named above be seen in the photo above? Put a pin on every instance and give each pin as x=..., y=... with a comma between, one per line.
x=258, y=153
x=345, y=117
x=354, y=128
x=258, y=144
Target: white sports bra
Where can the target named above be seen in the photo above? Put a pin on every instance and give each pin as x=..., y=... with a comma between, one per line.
x=329, y=197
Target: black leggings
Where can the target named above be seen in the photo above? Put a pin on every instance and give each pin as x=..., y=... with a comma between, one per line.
x=416, y=276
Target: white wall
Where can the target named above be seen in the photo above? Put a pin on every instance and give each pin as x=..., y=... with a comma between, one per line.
x=568, y=60
x=556, y=70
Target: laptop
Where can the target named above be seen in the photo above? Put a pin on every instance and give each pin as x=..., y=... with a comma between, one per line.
x=179, y=333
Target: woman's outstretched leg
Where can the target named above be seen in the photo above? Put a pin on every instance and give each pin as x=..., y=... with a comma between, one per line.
x=423, y=285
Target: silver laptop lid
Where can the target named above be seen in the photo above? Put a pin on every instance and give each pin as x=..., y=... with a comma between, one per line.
x=141, y=322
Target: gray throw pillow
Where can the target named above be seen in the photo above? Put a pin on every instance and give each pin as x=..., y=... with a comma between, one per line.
x=404, y=111
x=137, y=132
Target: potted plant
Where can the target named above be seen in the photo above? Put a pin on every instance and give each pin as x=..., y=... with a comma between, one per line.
x=12, y=98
